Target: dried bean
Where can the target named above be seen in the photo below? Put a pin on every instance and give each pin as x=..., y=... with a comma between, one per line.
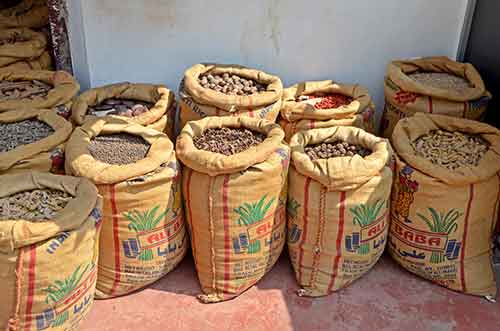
x=120, y=107
x=329, y=101
x=228, y=141
x=232, y=85
x=119, y=149
x=335, y=149
x=22, y=133
x=442, y=80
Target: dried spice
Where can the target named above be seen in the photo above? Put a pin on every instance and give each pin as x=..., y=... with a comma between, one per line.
x=22, y=133
x=451, y=149
x=18, y=90
x=231, y=84
x=335, y=149
x=330, y=101
x=119, y=148
x=442, y=80
x=228, y=141
x=35, y=205
x=120, y=107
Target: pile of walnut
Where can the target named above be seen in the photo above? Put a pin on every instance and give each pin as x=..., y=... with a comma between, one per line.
x=18, y=90
x=231, y=84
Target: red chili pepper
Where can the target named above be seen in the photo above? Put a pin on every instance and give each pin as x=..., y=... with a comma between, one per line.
x=331, y=101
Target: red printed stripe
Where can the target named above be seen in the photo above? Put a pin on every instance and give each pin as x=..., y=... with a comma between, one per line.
x=31, y=285
x=430, y=105
x=466, y=225
x=304, y=232
x=116, y=239
x=189, y=210
x=227, y=237
x=338, y=244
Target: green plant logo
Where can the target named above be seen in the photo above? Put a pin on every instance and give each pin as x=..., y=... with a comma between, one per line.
x=292, y=207
x=253, y=213
x=363, y=216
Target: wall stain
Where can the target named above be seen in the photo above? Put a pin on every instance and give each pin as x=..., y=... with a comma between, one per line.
x=274, y=22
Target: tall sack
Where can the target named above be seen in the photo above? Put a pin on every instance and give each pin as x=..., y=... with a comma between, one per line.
x=338, y=210
x=143, y=236
x=232, y=255
x=297, y=115
x=27, y=14
x=405, y=97
x=458, y=255
x=28, y=50
x=198, y=102
x=45, y=155
x=49, y=269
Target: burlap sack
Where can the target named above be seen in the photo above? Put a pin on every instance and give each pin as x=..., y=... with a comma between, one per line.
x=338, y=210
x=198, y=102
x=405, y=97
x=44, y=62
x=48, y=269
x=27, y=14
x=442, y=221
x=143, y=236
x=28, y=50
x=235, y=206
x=45, y=155
x=65, y=89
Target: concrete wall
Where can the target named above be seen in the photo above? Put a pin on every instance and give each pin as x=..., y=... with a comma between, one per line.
x=345, y=40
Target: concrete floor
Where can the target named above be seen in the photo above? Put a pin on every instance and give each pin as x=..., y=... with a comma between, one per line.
x=388, y=298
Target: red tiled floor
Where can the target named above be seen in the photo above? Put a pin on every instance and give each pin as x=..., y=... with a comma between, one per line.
x=388, y=298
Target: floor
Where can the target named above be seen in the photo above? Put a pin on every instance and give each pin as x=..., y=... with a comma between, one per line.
x=388, y=298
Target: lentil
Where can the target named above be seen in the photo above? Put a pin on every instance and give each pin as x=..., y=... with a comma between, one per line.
x=228, y=141
x=335, y=149
x=119, y=148
x=442, y=80
x=18, y=90
x=22, y=133
x=121, y=107
x=231, y=84
x=330, y=101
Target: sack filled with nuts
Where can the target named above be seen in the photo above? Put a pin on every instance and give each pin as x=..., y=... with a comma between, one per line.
x=37, y=89
x=445, y=201
x=228, y=90
x=138, y=176
x=143, y=104
x=49, y=228
x=21, y=44
x=323, y=104
x=338, y=206
x=25, y=14
x=434, y=85
x=33, y=140
x=44, y=62
x=236, y=167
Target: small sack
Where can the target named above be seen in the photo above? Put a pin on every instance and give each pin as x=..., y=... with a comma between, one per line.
x=143, y=236
x=442, y=220
x=338, y=210
x=27, y=14
x=44, y=62
x=27, y=45
x=405, y=97
x=45, y=155
x=49, y=268
x=198, y=102
x=240, y=232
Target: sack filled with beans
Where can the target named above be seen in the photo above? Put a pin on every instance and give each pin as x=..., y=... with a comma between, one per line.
x=20, y=45
x=49, y=235
x=445, y=201
x=25, y=14
x=137, y=174
x=338, y=206
x=143, y=104
x=33, y=140
x=323, y=104
x=228, y=90
x=236, y=168
x=434, y=85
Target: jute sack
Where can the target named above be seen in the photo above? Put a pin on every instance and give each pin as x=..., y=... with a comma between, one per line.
x=235, y=206
x=405, y=97
x=198, y=102
x=28, y=50
x=49, y=268
x=442, y=221
x=44, y=62
x=27, y=14
x=65, y=89
x=45, y=155
x=338, y=210
x=143, y=236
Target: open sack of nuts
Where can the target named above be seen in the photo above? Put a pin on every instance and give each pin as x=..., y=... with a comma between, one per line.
x=236, y=168
x=338, y=206
x=32, y=140
x=324, y=104
x=445, y=201
x=24, y=14
x=228, y=90
x=49, y=235
x=144, y=104
x=21, y=45
x=37, y=89
x=138, y=176
x=434, y=85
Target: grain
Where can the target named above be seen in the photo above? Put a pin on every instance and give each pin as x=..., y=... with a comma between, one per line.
x=22, y=133
x=442, y=81
x=119, y=148
x=228, y=141
x=335, y=149
x=19, y=90
x=231, y=84
x=120, y=107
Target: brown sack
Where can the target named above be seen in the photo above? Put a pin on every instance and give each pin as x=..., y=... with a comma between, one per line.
x=338, y=210
x=198, y=102
x=405, y=97
x=28, y=50
x=48, y=269
x=65, y=89
x=143, y=236
x=442, y=221
x=45, y=155
x=44, y=62
x=27, y=14
x=235, y=206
